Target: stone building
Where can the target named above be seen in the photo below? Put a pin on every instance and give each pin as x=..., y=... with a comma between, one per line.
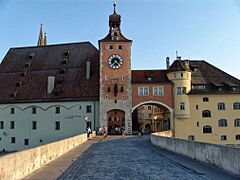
x=50, y=92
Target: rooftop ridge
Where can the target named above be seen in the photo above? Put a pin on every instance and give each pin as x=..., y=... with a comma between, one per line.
x=52, y=45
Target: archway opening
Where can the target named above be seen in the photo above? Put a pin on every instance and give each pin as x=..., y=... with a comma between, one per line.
x=116, y=122
x=151, y=117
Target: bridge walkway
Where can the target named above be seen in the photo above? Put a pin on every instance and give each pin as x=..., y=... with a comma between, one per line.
x=127, y=157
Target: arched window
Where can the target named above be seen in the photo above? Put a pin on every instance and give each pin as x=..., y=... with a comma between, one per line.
x=207, y=129
x=237, y=122
x=236, y=105
x=223, y=138
x=206, y=113
x=221, y=106
x=238, y=137
x=222, y=123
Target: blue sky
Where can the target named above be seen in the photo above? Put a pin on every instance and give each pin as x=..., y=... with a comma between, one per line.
x=197, y=29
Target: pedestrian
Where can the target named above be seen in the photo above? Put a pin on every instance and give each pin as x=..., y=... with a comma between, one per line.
x=104, y=132
x=88, y=132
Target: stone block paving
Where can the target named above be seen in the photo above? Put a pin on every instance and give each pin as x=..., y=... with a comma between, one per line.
x=136, y=158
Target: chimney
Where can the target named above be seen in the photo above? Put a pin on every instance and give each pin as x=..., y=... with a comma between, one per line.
x=168, y=62
x=88, y=69
x=50, y=87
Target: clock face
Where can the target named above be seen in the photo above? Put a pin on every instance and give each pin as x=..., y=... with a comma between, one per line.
x=115, y=61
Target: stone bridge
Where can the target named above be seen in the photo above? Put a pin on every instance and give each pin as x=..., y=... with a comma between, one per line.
x=125, y=158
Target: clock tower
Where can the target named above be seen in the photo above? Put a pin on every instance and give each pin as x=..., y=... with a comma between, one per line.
x=115, y=79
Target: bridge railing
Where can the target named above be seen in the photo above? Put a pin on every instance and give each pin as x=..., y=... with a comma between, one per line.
x=20, y=164
x=224, y=157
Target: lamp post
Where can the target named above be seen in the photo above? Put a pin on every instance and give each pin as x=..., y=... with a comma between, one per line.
x=154, y=122
x=86, y=120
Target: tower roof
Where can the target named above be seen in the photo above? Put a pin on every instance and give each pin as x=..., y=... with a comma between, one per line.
x=114, y=19
x=42, y=41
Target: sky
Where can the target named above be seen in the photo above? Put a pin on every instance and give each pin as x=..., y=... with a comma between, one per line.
x=198, y=29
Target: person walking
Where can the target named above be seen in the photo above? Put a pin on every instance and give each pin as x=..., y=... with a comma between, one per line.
x=88, y=132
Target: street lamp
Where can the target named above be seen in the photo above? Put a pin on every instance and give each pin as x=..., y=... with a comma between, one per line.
x=155, y=118
x=86, y=120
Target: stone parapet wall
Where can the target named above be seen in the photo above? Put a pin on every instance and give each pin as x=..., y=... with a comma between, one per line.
x=20, y=164
x=165, y=133
x=226, y=158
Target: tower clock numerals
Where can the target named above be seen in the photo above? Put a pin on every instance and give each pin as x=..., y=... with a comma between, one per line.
x=115, y=61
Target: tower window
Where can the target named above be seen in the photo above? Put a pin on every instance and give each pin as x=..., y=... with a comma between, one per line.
x=196, y=106
x=182, y=106
x=109, y=89
x=122, y=89
x=111, y=47
x=115, y=34
x=120, y=47
x=197, y=124
x=181, y=90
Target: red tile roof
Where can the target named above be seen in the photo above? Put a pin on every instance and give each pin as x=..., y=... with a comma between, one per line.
x=149, y=76
x=66, y=62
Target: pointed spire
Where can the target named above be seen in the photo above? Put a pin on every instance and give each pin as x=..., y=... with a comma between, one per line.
x=45, y=39
x=41, y=37
x=114, y=5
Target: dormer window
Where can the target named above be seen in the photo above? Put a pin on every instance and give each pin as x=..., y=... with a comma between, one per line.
x=149, y=78
x=66, y=53
x=32, y=55
x=27, y=65
x=65, y=61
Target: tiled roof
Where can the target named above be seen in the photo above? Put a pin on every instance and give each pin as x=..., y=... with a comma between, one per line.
x=215, y=80
x=179, y=65
x=149, y=76
x=121, y=38
x=24, y=73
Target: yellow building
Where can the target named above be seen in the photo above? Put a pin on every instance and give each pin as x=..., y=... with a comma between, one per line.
x=206, y=103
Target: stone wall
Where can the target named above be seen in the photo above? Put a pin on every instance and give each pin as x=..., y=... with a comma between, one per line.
x=20, y=164
x=227, y=158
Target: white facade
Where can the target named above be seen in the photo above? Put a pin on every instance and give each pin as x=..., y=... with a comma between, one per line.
x=52, y=121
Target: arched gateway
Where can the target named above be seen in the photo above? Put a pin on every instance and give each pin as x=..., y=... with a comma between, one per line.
x=116, y=122
x=152, y=116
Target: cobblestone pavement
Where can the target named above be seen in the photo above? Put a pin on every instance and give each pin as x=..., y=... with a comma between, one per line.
x=133, y=158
